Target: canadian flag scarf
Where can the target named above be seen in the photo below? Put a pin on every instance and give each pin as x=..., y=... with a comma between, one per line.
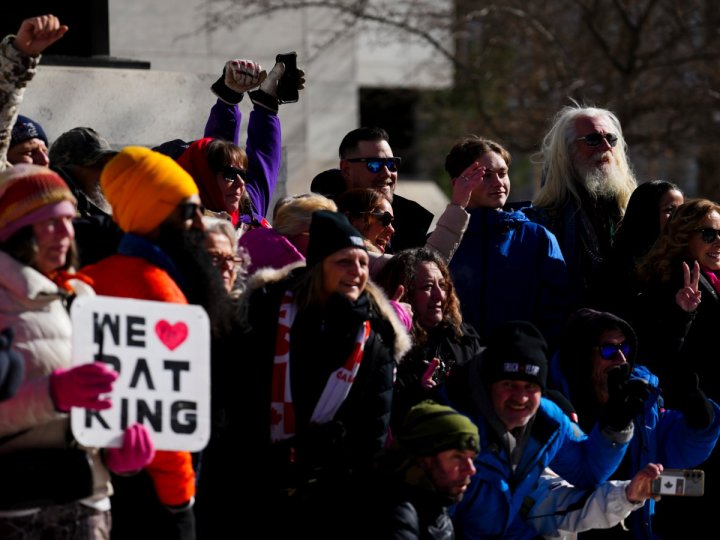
x=340, y=381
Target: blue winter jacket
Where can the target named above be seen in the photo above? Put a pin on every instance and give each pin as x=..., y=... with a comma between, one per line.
x=661, y=436
x=508, y=268
x=494, y=499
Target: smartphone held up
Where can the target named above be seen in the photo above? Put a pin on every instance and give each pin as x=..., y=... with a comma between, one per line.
x=683, y=482
x=287, y=90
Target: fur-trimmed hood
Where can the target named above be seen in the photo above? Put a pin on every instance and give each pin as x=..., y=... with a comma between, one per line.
x=379, y=301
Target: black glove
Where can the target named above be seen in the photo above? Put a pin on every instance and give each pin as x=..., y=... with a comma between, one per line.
x=692, y=401
x=626, y=398
x=12, y=366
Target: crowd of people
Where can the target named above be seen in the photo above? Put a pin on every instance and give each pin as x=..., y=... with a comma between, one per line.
x=522, y=371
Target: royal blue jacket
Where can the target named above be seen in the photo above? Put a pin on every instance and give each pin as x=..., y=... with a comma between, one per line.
x=508, y=268
x=492, y=504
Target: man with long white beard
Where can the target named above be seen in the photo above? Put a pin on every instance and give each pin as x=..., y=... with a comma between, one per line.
x=586, y=183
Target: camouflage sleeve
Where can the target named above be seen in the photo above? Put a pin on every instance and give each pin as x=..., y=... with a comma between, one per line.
x=16, y=70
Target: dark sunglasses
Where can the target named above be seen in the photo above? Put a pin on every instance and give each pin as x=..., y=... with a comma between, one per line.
x=231, y=173
x=189, y=210
x=385, y=218
x=708, y=234
x=595, y=138
x=221, y=261
x=609, y=350
x=375, y=164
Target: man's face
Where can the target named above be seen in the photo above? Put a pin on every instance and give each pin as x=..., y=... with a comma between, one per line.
x=515, y=402
x=494, y=189
x=30, y=151
x=605, y=360
x=450, y=471
x=357, y=174
x=187, y=215
x=597, y=167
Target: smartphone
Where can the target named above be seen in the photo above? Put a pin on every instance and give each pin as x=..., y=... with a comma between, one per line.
x=287, y=89
x=686, y=482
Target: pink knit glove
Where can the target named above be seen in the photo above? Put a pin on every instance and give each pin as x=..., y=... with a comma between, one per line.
x=82, y=386
x=404, y=313
x=136, y=452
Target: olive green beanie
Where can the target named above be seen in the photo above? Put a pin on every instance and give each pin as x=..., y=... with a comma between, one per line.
x=430, y=428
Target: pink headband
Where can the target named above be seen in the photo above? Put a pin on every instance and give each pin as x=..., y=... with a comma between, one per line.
x=58, y=209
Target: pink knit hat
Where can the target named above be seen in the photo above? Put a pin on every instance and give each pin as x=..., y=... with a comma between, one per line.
x=29, y=194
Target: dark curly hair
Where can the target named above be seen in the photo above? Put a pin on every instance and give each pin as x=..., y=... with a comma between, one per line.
x=402, y=269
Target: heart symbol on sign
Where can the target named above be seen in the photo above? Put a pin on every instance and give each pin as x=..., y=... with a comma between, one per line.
x=172, y=335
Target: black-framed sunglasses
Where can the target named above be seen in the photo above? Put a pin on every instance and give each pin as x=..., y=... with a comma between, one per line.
x=594, y=139
x=375, y=164
x=385, y=218
x=231, y=173
x=708, y=234
x=189, y=210
x=609, y=350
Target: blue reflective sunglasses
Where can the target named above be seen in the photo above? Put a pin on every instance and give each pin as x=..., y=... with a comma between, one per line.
x=375, y=164
x=609, y=350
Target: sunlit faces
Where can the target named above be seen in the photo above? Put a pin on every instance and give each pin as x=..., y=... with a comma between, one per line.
x=494, y=189
x=54, y=237
x=346, y=272
x=429, y=296
x=667, y=204
x=597, y=166
x=374, y=230
x=232, y=186
x=601, y=366
x=357, y=174
x=30, y=151
x=515, y=402
x=450, y=471
x=223, y=259
x=707, y=255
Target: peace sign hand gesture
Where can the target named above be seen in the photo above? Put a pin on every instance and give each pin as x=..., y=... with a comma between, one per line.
x=688, y=298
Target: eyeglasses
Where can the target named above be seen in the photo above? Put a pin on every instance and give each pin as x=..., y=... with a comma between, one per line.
x=231, y=173
x=385, y=218
x=595, y=138
x=221, y=261
x=189, y=210
x=708, y=234
x=609, y=350
x=375, y=164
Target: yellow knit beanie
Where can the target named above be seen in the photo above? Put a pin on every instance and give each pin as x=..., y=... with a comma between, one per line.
x=144, y=187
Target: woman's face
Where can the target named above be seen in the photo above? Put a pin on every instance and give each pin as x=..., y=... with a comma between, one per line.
x=667, y=204
x=221, y=252
x=232, y=185
x=379, y=228
x=54, y=237
x=706, y=253
x=346, y=272
x=428, y=300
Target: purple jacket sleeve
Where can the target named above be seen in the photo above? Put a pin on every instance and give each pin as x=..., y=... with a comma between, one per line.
x=264, y=151
x=224, y=122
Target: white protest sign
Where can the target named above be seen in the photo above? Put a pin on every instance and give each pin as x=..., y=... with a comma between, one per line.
x=162, y=353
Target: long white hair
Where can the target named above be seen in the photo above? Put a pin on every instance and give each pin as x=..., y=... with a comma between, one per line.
x=559, y=175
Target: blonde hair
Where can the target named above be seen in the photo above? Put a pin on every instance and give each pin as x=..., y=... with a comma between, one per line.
x=558, y=171
x=292, y=215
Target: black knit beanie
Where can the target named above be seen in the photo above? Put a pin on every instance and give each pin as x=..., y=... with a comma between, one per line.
x=515, y=351
x=330, y=232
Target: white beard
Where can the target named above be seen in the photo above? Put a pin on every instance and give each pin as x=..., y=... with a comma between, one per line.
x=601, y=179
